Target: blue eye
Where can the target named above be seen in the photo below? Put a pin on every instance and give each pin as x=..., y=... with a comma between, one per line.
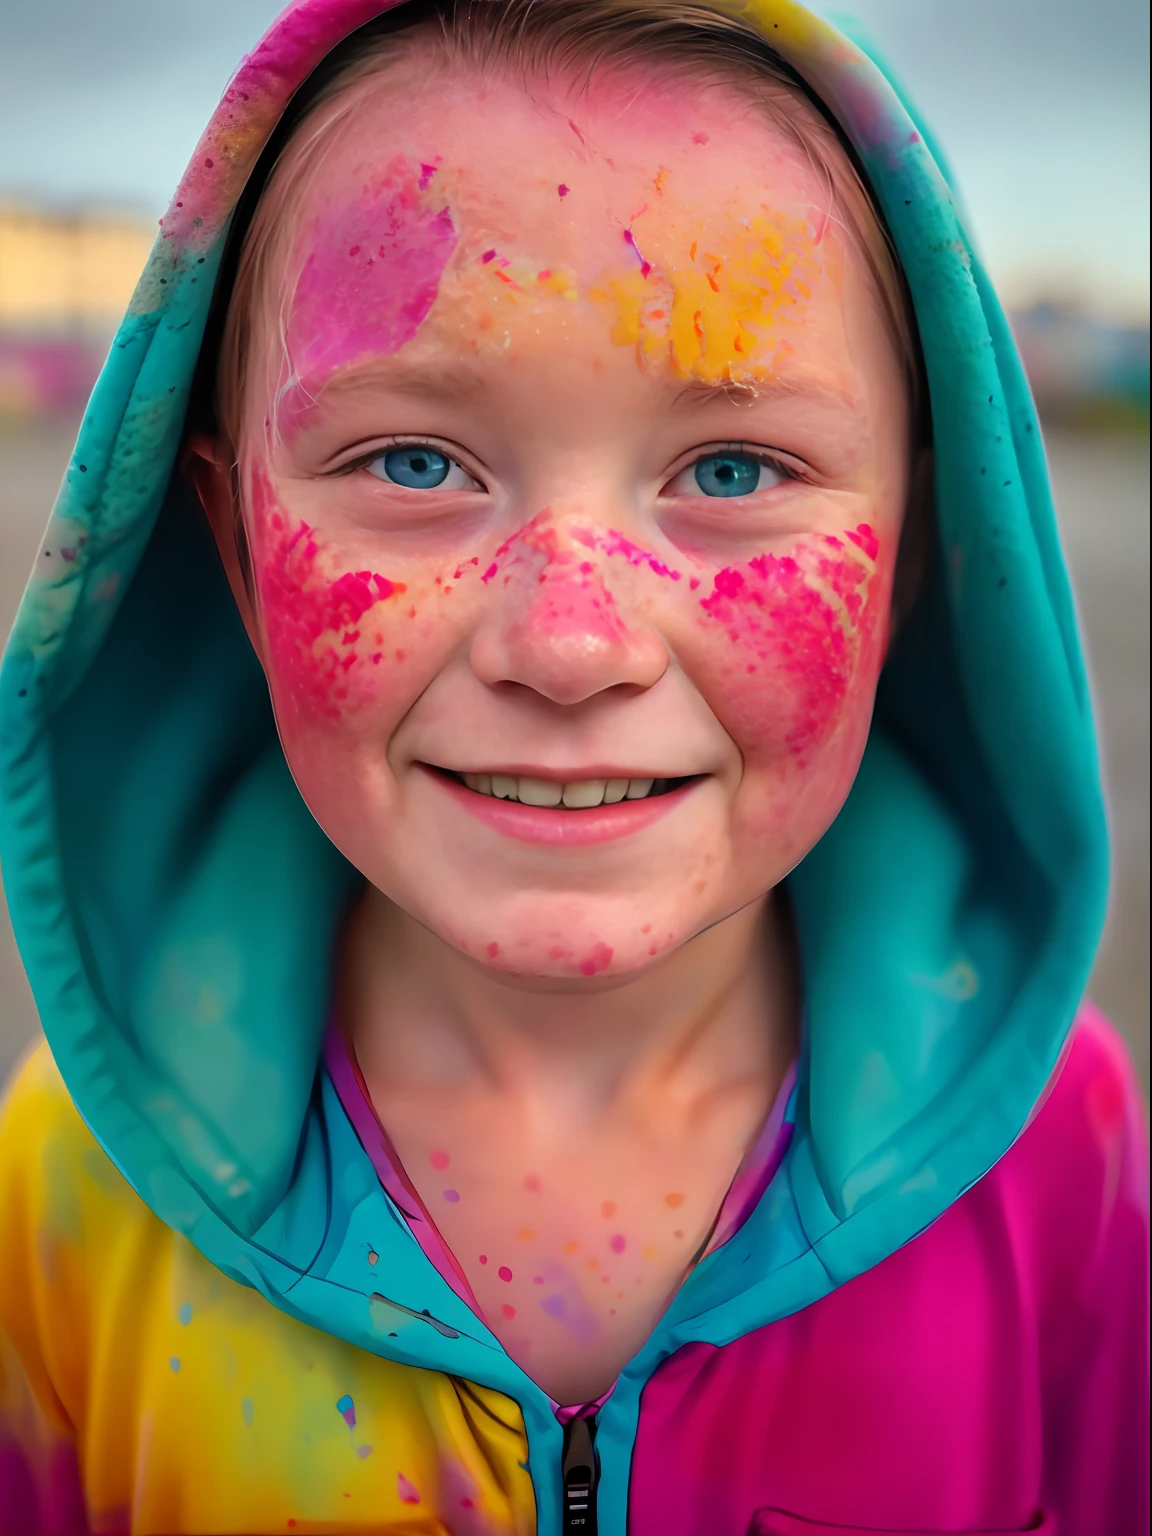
x=728, y=474
x=417, y=466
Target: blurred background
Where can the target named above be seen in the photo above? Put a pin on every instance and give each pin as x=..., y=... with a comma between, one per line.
x=1041, y=105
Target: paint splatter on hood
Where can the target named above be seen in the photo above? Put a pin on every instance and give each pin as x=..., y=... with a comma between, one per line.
x=175, y=903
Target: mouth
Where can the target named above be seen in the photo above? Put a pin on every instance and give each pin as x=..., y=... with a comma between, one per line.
x=564, y=813
x=565, y=795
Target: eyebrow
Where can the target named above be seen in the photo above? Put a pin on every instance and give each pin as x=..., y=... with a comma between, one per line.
x=461, y=380
x=700, y=393
x=455, y=382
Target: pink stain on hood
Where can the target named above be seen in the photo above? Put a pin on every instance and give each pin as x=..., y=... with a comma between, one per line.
x=802, y=619
x=370, y=276
x=311, y=620
x=249, y=109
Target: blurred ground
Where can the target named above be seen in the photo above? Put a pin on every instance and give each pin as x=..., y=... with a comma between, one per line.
x=1102, y=499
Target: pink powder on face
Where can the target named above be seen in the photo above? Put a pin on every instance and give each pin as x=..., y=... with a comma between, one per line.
x=645, y=265
x=571, y=600
x=311, y=621
x=598, y=960
x=370, y=276
x=613, y=543
x=801, y=619
x=864, y=539
x=439, y=1159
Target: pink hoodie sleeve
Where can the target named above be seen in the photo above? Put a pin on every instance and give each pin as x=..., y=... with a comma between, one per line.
x=1096, y=1324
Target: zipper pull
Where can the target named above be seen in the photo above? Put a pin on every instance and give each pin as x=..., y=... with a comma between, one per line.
x=578, y=1469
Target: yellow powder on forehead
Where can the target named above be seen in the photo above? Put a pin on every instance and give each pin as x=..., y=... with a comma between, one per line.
x=707, y=301
x=713, y=306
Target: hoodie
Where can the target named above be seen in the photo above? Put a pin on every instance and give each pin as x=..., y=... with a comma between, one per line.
x=215, y=1312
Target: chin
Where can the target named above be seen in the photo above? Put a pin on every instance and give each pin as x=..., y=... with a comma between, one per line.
x=564, y=943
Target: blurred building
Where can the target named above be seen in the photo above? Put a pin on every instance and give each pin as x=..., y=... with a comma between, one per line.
x=65, y=280
x=1084, y=371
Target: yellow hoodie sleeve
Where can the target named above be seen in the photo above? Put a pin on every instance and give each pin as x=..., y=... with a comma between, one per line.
x=143, y=1391
x=43, y=1322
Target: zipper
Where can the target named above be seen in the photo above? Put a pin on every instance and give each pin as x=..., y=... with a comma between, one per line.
x=578, y=1469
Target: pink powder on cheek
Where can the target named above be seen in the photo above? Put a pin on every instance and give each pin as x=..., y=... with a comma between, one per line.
x=803, y=620
x=311, y=621
x=371, y=275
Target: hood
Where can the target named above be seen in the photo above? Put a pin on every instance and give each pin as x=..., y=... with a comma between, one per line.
x=175, y=903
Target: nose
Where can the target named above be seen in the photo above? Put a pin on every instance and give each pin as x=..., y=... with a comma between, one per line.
x=555, y=626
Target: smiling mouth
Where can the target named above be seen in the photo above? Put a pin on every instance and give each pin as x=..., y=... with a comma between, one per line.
x=573, y=795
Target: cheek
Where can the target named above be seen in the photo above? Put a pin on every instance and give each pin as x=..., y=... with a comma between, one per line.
x=336, y=639
x=792, y=647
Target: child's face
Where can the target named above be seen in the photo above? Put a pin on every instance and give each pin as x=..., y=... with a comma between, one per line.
x=510, y=515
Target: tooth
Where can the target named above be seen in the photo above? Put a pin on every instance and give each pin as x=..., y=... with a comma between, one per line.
x=483, y=784
x=472, y=780
x=504, y=786
x=638, y=788
x=614, y=790
x=585, y=793
x=539, y=792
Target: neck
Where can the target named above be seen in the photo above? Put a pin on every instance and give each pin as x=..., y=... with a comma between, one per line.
x=425, y=1019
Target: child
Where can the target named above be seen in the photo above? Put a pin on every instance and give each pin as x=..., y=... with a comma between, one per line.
x=651, y=1094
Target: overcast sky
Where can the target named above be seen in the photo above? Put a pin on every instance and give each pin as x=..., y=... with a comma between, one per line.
x=1042, y=106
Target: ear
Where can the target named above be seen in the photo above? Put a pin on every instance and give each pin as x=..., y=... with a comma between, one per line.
x=917, y=541
x=210, y=464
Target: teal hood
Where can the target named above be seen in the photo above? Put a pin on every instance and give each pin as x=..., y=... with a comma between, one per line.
x=175, y=903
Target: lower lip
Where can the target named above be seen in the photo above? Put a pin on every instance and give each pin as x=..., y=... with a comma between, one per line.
x=564, y=828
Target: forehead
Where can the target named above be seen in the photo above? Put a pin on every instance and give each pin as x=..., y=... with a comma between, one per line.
x=621, y=147
x=434, y=211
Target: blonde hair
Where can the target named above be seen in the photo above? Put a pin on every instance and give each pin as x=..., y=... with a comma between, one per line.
x=537, y=38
